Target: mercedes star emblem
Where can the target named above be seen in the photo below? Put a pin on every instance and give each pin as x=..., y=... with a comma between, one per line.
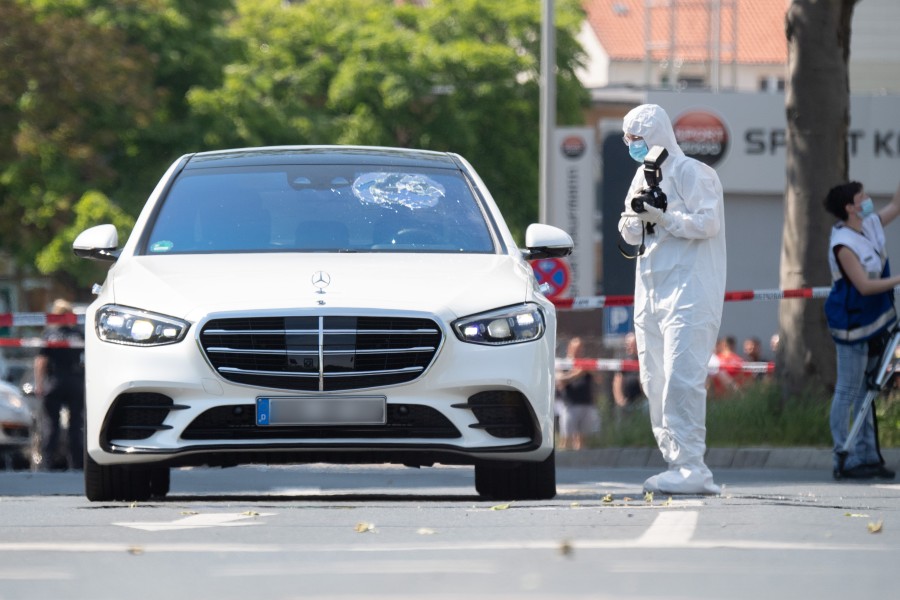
x=321, y=280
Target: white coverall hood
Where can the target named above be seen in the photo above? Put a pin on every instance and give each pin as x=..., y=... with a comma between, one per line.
x=651, y=122
x=678, y=301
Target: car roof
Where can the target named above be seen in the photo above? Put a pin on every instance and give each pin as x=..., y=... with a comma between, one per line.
x=321, y=155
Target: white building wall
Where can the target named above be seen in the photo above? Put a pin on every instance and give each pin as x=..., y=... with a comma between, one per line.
x=626, y=73
x=874, y=58
x=596, y=70
x=633, y=74
x=875, y=47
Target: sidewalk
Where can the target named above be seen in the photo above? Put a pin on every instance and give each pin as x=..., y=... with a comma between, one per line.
x=716, y=458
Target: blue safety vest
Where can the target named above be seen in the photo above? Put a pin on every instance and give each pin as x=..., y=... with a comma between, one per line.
x=852, y=317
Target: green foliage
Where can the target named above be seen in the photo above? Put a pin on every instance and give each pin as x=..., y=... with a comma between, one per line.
x=888, y=410
x=180, y=44
x=454, y=75
x=72, y=92
x=93, y=208
x=757, y=417
x=101, y=95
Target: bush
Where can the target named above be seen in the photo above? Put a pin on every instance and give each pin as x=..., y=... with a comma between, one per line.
x=755, y=416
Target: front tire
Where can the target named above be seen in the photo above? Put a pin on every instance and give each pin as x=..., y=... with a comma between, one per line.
x=517, y=480
x=123, y=482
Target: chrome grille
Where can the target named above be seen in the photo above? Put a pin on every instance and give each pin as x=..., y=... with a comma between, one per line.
x=320, y=353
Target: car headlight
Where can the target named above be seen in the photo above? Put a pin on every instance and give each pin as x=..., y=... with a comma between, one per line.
x=133, y=327
x=511, y=325
x=12, y=400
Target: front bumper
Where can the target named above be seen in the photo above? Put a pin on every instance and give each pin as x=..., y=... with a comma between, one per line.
x=167, y=404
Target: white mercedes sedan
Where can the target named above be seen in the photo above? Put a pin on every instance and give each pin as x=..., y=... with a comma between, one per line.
x=320, y=304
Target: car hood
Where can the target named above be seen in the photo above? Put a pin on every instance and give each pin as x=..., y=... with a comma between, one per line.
x=13, y=408
x=191, y=286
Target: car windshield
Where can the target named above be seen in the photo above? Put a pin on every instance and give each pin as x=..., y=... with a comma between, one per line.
x=319, y=208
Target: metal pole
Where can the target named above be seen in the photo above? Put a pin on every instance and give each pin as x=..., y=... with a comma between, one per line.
x=715, y=43
x=673, y=45
x=547, y=103
x=648, y=43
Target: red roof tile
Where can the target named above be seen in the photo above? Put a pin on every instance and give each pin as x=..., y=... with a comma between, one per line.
x=620, y=27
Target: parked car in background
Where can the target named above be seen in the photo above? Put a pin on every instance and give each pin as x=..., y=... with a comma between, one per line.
x=310, y=304
x=17, y=426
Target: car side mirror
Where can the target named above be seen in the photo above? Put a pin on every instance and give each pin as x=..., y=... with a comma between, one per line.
x=546, y=241
x=97, y=243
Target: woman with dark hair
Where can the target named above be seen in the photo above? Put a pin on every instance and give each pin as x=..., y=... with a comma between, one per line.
x=860, y=312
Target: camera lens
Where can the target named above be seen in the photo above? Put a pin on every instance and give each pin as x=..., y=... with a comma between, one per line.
x=637, y=203
x=654, y=196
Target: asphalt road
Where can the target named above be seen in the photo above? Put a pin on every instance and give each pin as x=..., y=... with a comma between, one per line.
x=321, y=531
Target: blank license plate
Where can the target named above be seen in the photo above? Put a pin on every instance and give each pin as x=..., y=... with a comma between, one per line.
x=346, y=410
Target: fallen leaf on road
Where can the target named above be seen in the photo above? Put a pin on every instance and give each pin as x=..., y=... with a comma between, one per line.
x=250, y=513
x=875, y=527
x=648, y=496
x=364, y=527
x=500, y=507
x=135, y=550
x=565, y=548
x=856, y=515
x=607, y=498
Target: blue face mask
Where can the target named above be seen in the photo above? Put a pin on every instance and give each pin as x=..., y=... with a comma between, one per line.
x=638, y=150
x=866, y=207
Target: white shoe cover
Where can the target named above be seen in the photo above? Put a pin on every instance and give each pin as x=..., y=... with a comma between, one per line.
x=683, y=480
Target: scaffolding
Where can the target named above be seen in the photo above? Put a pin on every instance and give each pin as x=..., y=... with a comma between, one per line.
x=679, y=32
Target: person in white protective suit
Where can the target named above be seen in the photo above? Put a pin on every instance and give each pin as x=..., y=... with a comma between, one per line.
x=678, y=298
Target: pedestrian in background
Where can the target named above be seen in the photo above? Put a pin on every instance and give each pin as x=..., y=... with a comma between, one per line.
x=580, y=416
x=678, y=299
x=753, y=349
x=728, y=376
x=860, y=312
x=58, y=384
x=753, y=354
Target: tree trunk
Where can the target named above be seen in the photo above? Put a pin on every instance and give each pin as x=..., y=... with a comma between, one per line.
x=818, y=115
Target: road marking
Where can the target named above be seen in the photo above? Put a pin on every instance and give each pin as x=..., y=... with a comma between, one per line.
x=369, y=567
x=98, y=547
x=511, y=545
x=887, y=486
x=34, y=574
x=199, y=522
x=670, y=528
x=591, y=504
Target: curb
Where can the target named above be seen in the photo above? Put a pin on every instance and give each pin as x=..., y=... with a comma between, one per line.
x=716, y=458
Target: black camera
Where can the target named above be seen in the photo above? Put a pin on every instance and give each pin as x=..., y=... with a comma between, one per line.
x=652, y=194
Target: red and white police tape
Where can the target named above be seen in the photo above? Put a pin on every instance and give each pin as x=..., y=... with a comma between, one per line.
x=588, y=302
x=611, y=364
x=33, y=319
x=617, y=364
x=38, y=343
